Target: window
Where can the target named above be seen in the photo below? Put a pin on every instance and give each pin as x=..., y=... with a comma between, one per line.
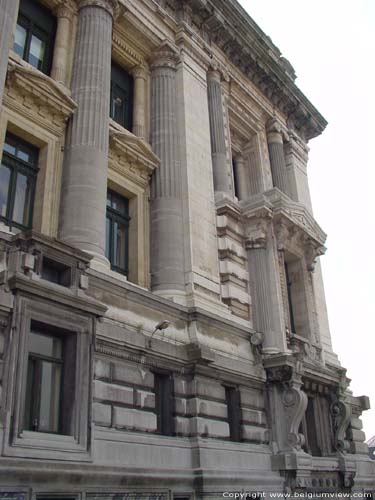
x=50, y=381
x=18, y=174
x=34, y=37
x=164, y=404
x=232, y=396
x=121, y=99
x=117, y=232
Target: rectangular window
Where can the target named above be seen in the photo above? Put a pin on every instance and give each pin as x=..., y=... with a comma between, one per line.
x=121, y=97
x=18, y=172
x=233, y=400
x=117, y=232
x=164, y=403
x=35, y=33
x=50, y=381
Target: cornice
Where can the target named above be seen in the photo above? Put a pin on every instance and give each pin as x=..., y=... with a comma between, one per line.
x=132, y=150
x=224, y=24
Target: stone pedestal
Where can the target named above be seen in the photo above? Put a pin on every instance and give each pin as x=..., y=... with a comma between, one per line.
x=64, y=15
x=84, y=182
x=139, y=117
x=167, y=238
x=221, y=172
x=8, y=13
x=277, y=157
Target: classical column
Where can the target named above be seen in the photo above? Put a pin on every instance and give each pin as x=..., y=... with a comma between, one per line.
x=221, y=172
x=167, y=239
x=241, y=177
x=277, y=157
x=84, y=183
x=8, y=13
x=139, y=118
x=64, y=13
x=265, y=287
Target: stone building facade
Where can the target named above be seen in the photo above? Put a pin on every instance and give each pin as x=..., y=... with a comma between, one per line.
x=163, y=329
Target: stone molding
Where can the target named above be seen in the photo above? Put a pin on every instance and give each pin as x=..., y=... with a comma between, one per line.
x=66, y=9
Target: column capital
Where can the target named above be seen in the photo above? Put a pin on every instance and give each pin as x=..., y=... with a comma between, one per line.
x=111, y=6
x=274, y=131
x=140, y=71
x=257, y=229
x=165, y=56
x=65, y=9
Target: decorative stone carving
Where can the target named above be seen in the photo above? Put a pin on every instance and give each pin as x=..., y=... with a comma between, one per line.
x=341, y=414
x=8, y=13
x=34, y=93
x=111, y=6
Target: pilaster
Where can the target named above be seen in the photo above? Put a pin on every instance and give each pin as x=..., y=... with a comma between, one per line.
x=8, y=13
x=84, y=180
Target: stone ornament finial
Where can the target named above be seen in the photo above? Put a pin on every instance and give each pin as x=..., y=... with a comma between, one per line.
x=165, y=56
x=111, y=6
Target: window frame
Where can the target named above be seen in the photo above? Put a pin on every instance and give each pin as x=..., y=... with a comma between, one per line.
x=34, y=18
x=18, y=166
x=115, y=216
x=74, y=445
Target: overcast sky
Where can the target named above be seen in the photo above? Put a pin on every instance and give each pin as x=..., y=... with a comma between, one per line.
x=331, y=45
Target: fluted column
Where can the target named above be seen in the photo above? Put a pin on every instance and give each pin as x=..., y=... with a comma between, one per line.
x=277, y=157
x=139, y=117
x=267, y=306
x=84, y=184
x=8, y=13
x=64, y=13
x=167, y=241
x=221, y=172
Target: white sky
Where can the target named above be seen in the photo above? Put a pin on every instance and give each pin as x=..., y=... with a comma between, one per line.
x=331, y=45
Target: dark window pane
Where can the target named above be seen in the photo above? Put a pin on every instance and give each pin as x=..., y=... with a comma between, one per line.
x=121, y=98
x=22, y=200
x=4, y=189
x=119, y=245
x=20, y=40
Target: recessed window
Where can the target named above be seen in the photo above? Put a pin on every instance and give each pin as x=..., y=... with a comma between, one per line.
x=121, y=98
x=50, y=381
x=18, y=174
x=289, y=285
x=232, y=396
x=35, y=33
x=117, y=232
x=56, y=272
x=164, y=404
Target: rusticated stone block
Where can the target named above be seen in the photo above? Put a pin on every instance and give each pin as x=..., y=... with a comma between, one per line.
x=144, y=399
x=134, y=419
x=252, y=397
x=207, y=388
x=102, y=368
x=198, y=406
x=209, y=428
x=254, y=417
x=182, y=426
x=115, y=393
x=254, y=434
x=357, y=435
x=132, y=374
x=102, y=414
x=356, y=423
